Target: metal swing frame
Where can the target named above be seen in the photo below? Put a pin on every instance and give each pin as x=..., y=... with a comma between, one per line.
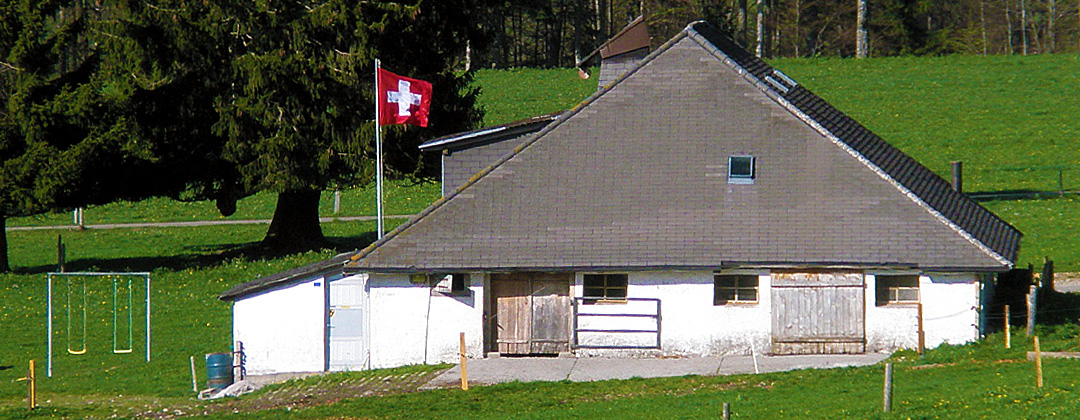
x=131, y=325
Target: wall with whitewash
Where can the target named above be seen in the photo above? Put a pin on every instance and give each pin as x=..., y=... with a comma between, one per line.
x=411, y=324
x=950, y=314
x=690, y=323
x=408, y=323
x=282, y=329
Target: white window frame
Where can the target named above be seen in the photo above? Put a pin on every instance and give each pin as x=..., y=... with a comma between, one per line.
x=892, y=291
x=734, y=178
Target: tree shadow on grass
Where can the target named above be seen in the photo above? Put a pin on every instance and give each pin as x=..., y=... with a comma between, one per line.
x=203, y=256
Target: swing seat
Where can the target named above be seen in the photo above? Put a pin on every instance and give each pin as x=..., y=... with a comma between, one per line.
x=122, y=351
x=83, y=351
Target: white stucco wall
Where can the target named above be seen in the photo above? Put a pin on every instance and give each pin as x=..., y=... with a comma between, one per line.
x=950, y=314
x=950, y=308
x=412, y=325
x=282, y=329
x=690, y=323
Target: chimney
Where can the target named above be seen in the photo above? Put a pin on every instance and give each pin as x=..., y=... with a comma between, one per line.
x=620, y=53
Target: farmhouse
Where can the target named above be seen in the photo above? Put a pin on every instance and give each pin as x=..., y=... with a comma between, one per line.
x=702, y=203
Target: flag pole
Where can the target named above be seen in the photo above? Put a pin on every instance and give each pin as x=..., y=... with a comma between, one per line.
x=378, y=157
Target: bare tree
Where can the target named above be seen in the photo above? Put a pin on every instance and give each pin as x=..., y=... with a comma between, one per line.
x=1052, y=14
x=982, y=23
x=1008, y=26
x=760, y=49
x=861, y=48
x=1023, y=27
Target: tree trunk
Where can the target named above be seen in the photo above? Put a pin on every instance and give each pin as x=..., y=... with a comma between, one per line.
x=860, y=33
x=4, y=266
x=1008, y=27
x=296, y=222
x=1023, y=27
x=1051, y=14
x=797, y=28
x=760, y=44
x=982, y=22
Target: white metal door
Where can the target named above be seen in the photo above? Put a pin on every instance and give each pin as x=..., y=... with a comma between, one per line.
x=348, y=349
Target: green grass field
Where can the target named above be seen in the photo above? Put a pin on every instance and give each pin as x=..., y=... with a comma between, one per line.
x=1010, y=119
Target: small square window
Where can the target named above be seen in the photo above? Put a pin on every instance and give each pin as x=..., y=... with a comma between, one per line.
x=452, y=284
x=896, y=289
x=604, y=287
x=741, y=288
x=741, y=169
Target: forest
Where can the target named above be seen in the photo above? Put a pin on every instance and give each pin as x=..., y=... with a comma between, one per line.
x=553, y=33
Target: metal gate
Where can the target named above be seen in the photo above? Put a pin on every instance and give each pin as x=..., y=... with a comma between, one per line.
x=818, y=313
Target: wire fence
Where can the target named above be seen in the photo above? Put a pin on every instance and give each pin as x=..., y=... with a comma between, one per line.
x=1014, y=182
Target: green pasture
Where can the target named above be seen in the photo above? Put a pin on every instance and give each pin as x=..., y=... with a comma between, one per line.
x=1010, y=119
x=404, y=196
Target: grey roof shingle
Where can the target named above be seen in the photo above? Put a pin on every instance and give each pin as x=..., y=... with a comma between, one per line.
x=634, y=178
x=985, y=226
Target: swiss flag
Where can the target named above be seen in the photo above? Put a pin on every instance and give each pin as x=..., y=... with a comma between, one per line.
x=403, y=100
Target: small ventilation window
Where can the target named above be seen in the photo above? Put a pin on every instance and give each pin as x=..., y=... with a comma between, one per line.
x=741, y=169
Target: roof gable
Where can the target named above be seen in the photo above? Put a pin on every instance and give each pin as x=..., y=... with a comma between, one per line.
x=633, y=178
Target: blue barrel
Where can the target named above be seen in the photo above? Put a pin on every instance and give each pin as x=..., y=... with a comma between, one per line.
x=219, y=370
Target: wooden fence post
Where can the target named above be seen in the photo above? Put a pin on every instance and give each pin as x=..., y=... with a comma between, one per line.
x=958, y=176
x=887, y=397
x=464, y=368
x=1008, y=332
x=31, y=386
x=1032, y=302
x=194, y=379
x=1038, y=364
x=727, y=412
x=922, y=332
x=1046, y=282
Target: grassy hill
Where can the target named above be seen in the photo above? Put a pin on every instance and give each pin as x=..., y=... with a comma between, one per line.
x=1010, y=119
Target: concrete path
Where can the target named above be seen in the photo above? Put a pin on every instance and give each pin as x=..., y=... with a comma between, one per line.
x=529, y=369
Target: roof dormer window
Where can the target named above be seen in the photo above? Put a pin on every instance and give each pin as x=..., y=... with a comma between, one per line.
x=741, y=169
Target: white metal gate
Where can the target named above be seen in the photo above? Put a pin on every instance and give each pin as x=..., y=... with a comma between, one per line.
x=347, y=345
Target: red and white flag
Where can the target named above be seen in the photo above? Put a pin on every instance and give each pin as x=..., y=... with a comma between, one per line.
x=403, y=100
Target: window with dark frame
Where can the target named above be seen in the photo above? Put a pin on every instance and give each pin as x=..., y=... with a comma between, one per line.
x=735, y=288
x=604, y=287
x=451, y=284
x=896, y=289
x=741, y=169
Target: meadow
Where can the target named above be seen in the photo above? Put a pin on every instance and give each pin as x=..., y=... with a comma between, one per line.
x=1010, y=119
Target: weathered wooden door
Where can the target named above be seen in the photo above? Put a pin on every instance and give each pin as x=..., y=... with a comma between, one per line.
x=532, y=312
x=818, y=313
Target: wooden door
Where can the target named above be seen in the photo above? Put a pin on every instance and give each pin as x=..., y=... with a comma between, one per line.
x=818, y=313
x=532, y=312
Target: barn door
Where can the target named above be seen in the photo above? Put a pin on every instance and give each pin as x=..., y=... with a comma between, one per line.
x=347, y=348
x=532, y=312
x=818, y=313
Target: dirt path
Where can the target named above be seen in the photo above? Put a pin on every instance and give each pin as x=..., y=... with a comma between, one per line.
x=197, y=223
x=324, y=391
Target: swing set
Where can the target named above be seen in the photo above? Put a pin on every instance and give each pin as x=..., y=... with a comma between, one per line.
x=77, y=311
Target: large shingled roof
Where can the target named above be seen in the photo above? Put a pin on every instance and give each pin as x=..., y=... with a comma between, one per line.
x=981, y=224
x=938, y=228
